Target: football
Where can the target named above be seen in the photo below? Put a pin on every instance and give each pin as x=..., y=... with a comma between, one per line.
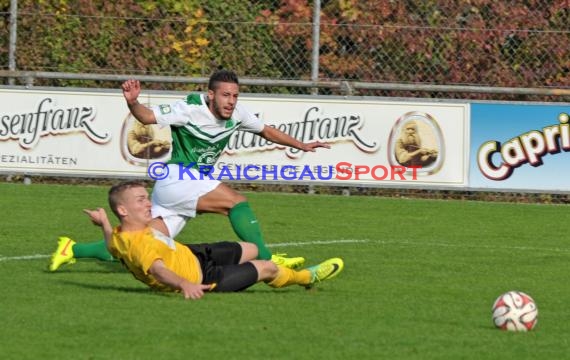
x=515, y=311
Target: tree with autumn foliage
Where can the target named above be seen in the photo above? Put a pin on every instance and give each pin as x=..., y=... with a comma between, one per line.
x=483, y=42
x=164, y=37
x=475, y=42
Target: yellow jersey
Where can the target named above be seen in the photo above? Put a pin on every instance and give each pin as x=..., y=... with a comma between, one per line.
x=137, y=250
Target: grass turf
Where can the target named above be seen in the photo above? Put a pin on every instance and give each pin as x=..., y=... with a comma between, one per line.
x=420, y=278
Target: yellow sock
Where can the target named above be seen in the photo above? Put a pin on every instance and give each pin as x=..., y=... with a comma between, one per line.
x=286, y=277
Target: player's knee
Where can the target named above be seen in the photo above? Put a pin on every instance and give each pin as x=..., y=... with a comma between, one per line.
x=266, y=269
x=249, y=251
x=271, y=269
x=231, y=201
x=238, y=198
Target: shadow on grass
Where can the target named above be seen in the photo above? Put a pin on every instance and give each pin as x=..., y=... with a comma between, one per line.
x=151, y=292
x=106, y=267
x=115, y=267
x=115, y=288
x=142, y=290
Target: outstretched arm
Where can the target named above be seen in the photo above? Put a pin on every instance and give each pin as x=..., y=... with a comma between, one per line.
x=279, y=137
x=131, y=91
x=167, y=277
x=99, y=218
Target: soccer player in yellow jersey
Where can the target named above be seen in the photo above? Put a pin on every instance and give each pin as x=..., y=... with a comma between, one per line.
x=165, y=264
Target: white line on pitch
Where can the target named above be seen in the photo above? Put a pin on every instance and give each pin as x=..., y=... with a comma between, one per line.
x=26, y=257
x=419, y=243
x=352, y=241
x=471, y=246
x=317, y=242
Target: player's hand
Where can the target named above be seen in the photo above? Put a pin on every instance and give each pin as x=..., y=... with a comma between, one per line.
x=98, y=216
x=131, y=90
x=193, y=291
x=313, y=145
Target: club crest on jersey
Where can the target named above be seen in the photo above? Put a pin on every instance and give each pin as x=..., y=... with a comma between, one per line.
x=208, y=158
x=165, y=109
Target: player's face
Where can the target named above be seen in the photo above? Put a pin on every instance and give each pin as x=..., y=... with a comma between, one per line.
x=137, y=205
x=223, y=100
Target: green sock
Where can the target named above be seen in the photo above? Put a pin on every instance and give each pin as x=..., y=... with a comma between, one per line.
x=96, y=249
x=245, y=225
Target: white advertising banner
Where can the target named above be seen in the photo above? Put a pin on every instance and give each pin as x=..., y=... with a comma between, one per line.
x=58, y=132
x=373, y=142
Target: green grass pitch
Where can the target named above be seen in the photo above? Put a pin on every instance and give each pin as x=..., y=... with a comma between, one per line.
x=419, y=281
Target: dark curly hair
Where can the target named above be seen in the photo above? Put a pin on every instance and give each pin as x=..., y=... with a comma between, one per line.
x=219, y=76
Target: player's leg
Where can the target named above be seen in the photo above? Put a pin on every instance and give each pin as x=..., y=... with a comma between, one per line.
x=231, y=278
x=68, y=251
x=239, y=277
x=306, y=277
x=242, y=276
x=94, y=250
x=220, y=200
x=249, y=252
x=221, y=264
x=226, y=252
x=225, y=200
x=224, y=262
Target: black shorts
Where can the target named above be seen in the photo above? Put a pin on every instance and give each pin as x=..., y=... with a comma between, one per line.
x=220, y=264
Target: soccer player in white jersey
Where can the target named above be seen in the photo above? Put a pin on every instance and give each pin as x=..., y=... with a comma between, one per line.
x=201, y=127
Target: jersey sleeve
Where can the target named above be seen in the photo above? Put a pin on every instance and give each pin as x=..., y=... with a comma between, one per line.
x=113, y=246
x=249, y=121
x=175, y=114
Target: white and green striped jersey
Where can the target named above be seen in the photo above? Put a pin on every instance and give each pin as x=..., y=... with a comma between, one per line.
x=197, y=136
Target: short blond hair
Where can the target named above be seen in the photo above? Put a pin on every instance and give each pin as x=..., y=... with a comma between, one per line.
x=116, y=193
